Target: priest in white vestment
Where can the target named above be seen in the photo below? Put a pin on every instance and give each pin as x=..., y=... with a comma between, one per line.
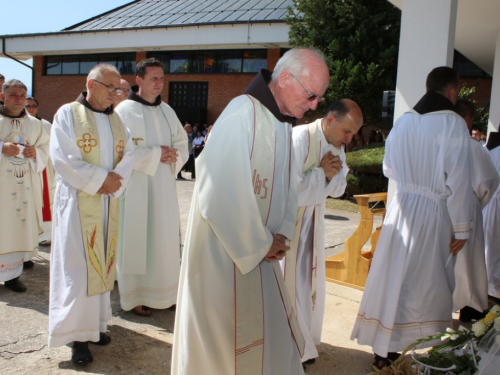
x=149, y=257
x=471, y=282
x=25, y=146
x=320, y=164
x=93, y=157
x=234, y=315
x=408, y=293
x=491, y=217
x=48, y=180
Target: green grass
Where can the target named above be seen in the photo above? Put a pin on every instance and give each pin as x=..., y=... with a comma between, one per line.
x=341, y=204
x=368, y=159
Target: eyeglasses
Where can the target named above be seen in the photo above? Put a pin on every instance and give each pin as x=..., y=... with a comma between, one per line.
x=31, y=106
x=310, y=97
x=111, y=88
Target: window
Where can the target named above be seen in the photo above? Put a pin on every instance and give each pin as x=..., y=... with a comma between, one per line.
x=188, y=94
x=209, y=61
x=82, y=64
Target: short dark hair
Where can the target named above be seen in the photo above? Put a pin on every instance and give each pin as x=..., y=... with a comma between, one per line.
x=475, y=127
x=440, y=79
x=2, y=77
x=32, y=98
x=140, y=69
x=338, y=108
x=465, y=108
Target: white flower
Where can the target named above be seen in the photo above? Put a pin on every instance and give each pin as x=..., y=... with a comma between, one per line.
x=450, y=330
x=479, y=329
x=454, y=337
x=497, y=324
x=495, y=309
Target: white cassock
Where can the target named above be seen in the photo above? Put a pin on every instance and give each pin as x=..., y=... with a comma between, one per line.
x=21, y=194
x=149, y=248
x=73, y=315
x=312, y=193
x=491, y=217
x=408, y=293
x=49, y=187
x=471, y=282
x=225, y=231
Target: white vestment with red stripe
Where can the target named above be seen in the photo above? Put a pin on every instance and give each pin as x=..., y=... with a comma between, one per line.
x=226, y=235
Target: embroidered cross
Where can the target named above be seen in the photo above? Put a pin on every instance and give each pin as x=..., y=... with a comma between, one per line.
x=136, y=140
x=87, y=143
x=119, y=148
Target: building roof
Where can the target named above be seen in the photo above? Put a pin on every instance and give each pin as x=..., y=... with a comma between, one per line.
x=168, y=13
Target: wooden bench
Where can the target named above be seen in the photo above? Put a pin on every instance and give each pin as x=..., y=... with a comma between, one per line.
x=351, y=267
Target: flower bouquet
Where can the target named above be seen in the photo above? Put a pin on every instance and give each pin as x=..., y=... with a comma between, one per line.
x=464, y=352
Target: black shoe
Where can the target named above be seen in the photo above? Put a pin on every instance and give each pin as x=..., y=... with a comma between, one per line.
x=80, y=353
x=180, y=178
x=309, y=361
x=103, y=339
x=468, y=314
x=28, y=265
x=15, y=285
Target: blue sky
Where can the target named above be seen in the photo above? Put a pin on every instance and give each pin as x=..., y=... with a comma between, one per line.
x=30, y=16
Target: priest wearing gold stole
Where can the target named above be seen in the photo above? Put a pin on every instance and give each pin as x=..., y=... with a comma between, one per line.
x=320, y=164
x=24, y=149
x=93, y=156
x=234, y=315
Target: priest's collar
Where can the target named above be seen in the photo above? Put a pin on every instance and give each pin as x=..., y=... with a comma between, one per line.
x=493, y=140
x=433, y=102
x=82, y=99
x=133, y=95
x=3, y=113
x=259, y=89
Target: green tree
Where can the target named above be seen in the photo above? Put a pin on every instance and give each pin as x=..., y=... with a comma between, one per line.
x=360, y=40
x=482, y=113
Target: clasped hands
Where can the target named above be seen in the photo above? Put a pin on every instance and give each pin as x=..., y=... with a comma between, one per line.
x=278, y=248
x=168, y=155
x=331, y=165
x=11, y=149
x=111, y=184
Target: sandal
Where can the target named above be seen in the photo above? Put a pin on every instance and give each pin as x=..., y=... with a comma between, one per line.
x=142, y=310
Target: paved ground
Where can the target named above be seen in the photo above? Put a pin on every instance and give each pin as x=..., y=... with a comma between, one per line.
x=143, y=345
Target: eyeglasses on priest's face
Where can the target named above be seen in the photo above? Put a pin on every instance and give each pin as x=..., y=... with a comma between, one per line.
x=310, y=97
x=30, y=106
x=111, y=89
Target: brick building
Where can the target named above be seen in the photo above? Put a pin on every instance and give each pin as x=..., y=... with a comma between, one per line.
x=210, y=50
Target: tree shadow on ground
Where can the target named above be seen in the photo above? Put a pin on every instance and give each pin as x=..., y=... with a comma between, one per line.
x=336, y=218
x=340, y=361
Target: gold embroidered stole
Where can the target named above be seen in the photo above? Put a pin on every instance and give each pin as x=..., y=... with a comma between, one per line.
x=312, y=161
x=249, y=321
x=101, y=260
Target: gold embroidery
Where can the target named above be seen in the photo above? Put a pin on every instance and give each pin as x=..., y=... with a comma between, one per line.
x=136, y=140
x=87, y=143
x=119, y=148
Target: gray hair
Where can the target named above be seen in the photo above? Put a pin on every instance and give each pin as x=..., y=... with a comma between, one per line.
x=13, y=83
x=294, y=61
x=98, y=71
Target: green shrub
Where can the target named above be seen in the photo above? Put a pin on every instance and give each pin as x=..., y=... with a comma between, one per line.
x=366, y=165
x=367, y=159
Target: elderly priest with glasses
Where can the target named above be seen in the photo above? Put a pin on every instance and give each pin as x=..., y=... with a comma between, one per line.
x=93, y=156
x=234, y=315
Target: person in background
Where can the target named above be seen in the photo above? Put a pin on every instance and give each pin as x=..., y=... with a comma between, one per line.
x=125, y=87
x=24, y=146
x=48, y=179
